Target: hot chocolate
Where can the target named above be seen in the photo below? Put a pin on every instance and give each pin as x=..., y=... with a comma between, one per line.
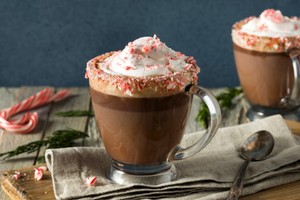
x=264, y=67
x=142, y=98
x=138, y=99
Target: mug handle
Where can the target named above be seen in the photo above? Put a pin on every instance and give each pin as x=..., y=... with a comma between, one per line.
x=212, y=103
x=291, y=101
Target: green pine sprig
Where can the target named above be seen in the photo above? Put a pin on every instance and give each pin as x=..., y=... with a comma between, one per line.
x=59, y=139
x=225, y=101
x=75, y=113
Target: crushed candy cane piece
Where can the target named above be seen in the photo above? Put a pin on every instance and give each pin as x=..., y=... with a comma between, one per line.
x=17, y=176
x=91, y=181
x=38, y=174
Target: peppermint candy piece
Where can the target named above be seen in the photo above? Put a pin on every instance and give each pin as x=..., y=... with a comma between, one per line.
x=91, y=181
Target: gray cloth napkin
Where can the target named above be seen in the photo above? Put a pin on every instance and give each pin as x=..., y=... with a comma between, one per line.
x=207, y=175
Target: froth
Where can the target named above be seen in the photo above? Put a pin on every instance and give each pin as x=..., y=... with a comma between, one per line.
x=150, y=71
x=270, y=32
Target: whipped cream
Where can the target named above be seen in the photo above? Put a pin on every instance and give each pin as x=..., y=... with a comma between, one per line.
x=146, y=56
x=272, y=24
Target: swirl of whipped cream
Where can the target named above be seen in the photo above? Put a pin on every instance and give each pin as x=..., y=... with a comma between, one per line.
x=272, y=24
x=145, y=56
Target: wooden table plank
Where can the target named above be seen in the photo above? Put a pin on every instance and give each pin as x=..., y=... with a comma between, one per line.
x=8, y=98
x=294, y=126
x=289, y=191
x=80, y=100
x=21, y=189
x=10, y=141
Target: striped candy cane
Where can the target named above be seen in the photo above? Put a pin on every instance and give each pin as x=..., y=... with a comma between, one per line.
x=18, y=125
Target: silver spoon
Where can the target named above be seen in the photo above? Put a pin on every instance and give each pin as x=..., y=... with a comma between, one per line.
x=258, y=146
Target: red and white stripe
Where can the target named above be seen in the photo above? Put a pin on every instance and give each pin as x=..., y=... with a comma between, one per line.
x=191, y=60
x=91, y=181
x=16, y=176
x=19, y=125
x=38, y=174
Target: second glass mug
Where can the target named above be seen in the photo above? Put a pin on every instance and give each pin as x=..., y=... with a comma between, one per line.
x=270, y=81
x=142, y=135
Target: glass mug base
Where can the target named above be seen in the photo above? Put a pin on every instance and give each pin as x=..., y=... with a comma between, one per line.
x=149, y=175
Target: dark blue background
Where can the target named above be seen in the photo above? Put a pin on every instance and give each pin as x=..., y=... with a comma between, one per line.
x=49, y=42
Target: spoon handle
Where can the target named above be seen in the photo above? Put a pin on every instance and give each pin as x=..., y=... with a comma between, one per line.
x=237, y=186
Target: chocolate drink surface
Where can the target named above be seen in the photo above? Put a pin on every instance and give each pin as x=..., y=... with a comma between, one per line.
x=266, y=77
x=141, y=131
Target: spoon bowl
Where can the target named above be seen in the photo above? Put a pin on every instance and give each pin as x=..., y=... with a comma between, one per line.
x=257, y=146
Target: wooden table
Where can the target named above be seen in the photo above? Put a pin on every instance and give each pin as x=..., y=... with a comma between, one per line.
x=48, y=123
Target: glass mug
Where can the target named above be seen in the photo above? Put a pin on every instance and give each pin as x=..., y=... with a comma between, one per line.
x=142, y=135
x=270, y=80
